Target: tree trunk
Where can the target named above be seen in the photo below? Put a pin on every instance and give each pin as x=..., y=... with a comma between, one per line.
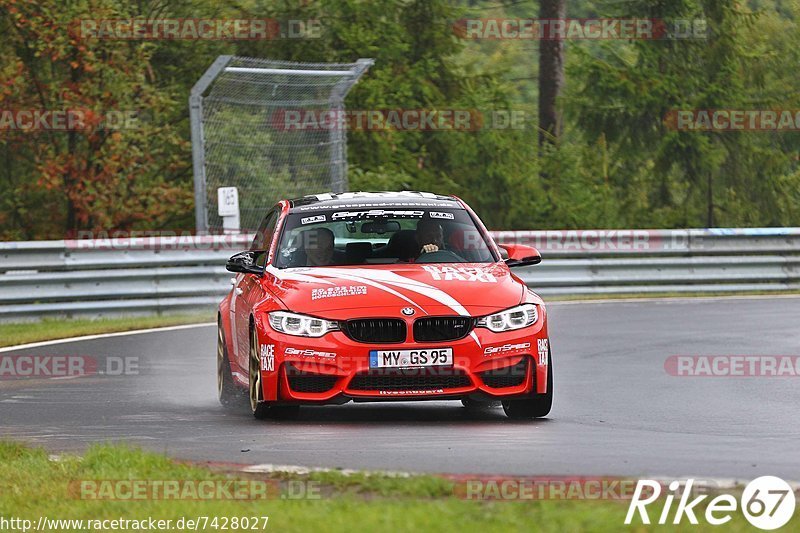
x=551, y=73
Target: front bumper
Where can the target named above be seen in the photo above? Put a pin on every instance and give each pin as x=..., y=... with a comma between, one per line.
x=335, y=368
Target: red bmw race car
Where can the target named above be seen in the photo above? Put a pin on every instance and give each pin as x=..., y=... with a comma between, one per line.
x=381, y=296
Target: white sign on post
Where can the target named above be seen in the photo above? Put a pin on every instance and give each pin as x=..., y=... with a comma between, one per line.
x=228, y=208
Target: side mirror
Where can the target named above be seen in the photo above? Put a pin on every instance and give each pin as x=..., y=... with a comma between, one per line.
x=245, y=262
x=521, y=255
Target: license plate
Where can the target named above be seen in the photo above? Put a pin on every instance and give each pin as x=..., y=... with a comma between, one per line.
x=410, y=358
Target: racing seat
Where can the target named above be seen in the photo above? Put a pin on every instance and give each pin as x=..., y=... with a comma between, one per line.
x=402, y=245
x=357, y=252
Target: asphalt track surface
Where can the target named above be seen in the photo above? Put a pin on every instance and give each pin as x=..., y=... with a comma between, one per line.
x=616, y=410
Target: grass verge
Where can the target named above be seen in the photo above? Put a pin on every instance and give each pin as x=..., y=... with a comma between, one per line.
x=33, y=485
x=50, y=328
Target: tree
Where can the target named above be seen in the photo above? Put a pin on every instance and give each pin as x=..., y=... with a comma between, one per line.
x=120, y=164
x=551, y=73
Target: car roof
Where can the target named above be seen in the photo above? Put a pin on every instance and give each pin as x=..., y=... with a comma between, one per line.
x=329, y=200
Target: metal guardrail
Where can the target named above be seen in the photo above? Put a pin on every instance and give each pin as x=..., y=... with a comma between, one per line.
x=166, y=274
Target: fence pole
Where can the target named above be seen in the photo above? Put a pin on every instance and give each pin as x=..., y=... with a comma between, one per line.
x=198, y=141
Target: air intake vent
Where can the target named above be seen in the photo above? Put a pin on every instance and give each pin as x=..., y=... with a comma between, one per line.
x=376, y=330
x=442, y=328
x=509, y=376
x=307, y=382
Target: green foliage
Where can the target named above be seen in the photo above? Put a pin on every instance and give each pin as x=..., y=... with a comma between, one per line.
x=617, y=163
x=624, y=93
x=105, y=173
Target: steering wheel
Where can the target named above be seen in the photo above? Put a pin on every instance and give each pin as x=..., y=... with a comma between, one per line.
x=439, y=256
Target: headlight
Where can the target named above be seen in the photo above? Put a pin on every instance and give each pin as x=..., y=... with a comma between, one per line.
x=518, y=317
x=300, y=325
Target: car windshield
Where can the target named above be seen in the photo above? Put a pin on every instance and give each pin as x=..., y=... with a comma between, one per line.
x=381, y=236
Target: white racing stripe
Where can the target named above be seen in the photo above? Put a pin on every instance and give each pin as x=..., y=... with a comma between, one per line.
x=418, y=287
x=321, y=271
x=380, y=277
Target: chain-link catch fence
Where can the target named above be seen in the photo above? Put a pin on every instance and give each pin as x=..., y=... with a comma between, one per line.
x=264, y=127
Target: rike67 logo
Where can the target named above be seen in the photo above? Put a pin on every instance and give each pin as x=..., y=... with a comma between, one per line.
x=767, y=503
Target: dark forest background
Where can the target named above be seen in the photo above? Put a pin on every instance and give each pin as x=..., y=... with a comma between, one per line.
x=613, y=162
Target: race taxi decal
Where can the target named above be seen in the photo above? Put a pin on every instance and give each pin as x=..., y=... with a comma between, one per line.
x=340, y=290
x=506, y=348
x=268, y=357
x=544, y=350
x=448, y=273
x=308, y=353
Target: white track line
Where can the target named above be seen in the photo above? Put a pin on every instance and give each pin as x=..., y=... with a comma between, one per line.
x=670, y=299
x=104, y=336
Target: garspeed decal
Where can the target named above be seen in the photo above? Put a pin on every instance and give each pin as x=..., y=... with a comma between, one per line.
x=448, y=273
x=490, y=350
x=312, y=220
x=308, y=353
x=407, y=392
x=372, y=213
x=334, y=292
x=544, y=350
x=268, y=357
x=442, y=215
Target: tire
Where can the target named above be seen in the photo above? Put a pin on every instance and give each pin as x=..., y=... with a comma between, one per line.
x=229, y=394
x=258, y=406
x=284, y=412
x=537, y=407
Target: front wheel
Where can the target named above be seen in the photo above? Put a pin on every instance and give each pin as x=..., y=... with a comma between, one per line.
x=536, y=407
x=258, y=406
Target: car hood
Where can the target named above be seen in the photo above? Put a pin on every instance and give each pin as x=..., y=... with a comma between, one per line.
x=433, y=289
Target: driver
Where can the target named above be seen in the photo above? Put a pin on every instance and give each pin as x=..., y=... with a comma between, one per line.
x=318, y=247
x=430, y=236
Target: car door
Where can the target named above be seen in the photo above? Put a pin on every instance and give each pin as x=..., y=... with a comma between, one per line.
x=247, y=291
